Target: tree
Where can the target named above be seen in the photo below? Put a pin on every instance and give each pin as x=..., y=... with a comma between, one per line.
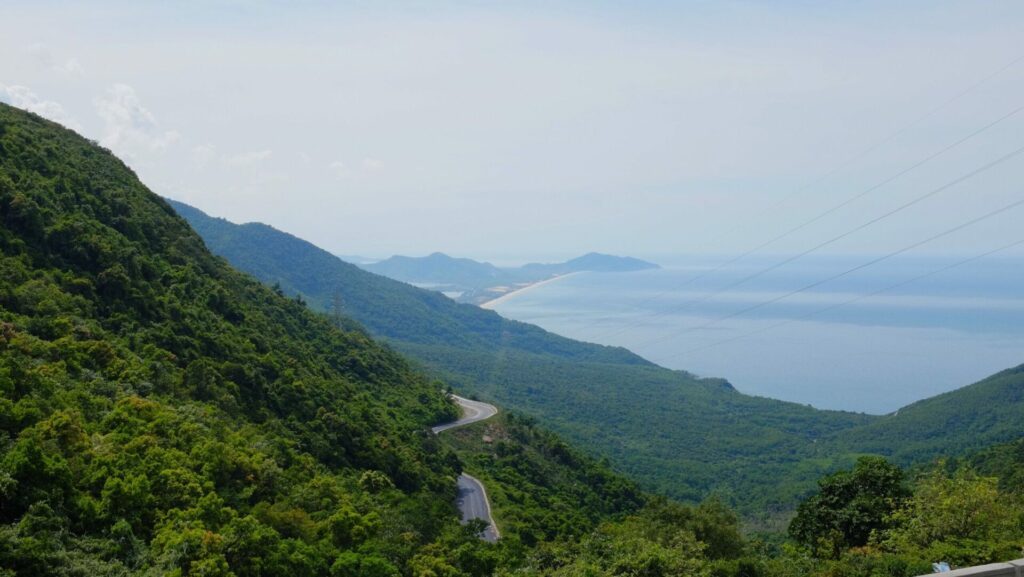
x=850, y=506
x=962, y=518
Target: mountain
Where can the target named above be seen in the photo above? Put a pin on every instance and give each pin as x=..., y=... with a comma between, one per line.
x=438, y=268
x=470, y=281
x=968, y=419
x=593, y=262
x=162, y=412
x=675, y=433
x=388, y=308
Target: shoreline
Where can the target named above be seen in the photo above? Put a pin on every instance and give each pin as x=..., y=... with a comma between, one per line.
x=489, y=305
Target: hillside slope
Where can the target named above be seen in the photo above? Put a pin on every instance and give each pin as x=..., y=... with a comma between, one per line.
x=674, y=433
x=387, y=307
x=162, y=413
x=968, y=419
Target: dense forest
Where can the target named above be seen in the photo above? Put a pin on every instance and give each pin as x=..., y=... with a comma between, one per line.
x=164, y=414
x=757, y=454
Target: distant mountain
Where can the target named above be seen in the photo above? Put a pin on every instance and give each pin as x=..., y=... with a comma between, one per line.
x=476, y=282
x=388, y=308
x=593, y=262
x=438, y=268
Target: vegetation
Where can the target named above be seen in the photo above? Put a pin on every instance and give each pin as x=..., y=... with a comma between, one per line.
x=540, y=488
x=161, y=413
x=899, y=529
x=850, y=507
x=960, y=422
x=760, y=454
x=677, y=435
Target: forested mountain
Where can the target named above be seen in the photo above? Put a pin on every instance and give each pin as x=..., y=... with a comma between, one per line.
x=388, y=308
x=674, y=433
x=161, y=411
x=163, y=414
x=966, y=420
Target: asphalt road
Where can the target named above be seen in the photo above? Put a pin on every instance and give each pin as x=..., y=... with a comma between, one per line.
x=472, y=502
x=472, y=498
x=472, y=411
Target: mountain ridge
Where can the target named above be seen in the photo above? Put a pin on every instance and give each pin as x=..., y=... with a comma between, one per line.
x=472, y=281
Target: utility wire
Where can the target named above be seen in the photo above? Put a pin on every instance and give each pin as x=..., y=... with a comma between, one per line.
x=833, y=171
x=877, y=219
x=847, y=272
x=845, y=303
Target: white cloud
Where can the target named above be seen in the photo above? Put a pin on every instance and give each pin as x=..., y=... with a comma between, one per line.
x=23, y=97
x=203, y=154
x=343, y=170
x=130, y=128
x=247, y=158
x=340, y=169
x=44, y=57
x=372, y=164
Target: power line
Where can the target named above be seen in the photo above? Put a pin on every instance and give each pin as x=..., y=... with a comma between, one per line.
x=900, y=131
x=845, y=303
x=836, y=169
x=846, y=234
x=847, y=272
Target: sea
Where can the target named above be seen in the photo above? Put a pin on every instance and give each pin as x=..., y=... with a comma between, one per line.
x=828, y=332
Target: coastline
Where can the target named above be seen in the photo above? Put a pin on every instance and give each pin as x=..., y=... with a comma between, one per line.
x=489, y=305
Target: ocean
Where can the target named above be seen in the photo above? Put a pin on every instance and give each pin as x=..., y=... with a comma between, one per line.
x=834, y=346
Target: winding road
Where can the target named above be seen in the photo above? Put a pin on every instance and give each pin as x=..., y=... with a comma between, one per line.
x=472, y=500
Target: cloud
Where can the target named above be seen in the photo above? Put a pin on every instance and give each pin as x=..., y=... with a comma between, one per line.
x=343, y=170
x=372, y=164
x=23, y=97
x=340, y=169
x=43, y=56
x=203, y=154
x=247, y=158
x=130, y=128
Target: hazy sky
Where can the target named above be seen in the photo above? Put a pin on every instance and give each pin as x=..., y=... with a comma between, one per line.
x=499, y=130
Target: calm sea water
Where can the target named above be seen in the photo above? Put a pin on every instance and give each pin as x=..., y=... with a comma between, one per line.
x=874, y=355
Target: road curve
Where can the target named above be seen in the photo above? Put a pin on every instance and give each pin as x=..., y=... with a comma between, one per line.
x=472, y=411
x=472, y=498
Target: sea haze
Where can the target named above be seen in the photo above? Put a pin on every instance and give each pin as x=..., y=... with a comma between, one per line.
x=874, y=355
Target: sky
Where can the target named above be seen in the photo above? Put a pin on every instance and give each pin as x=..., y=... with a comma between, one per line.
x=530, y=130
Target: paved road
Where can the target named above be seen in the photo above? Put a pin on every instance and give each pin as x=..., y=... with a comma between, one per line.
x=472, y=499
x=473, y=503
x=472, y=411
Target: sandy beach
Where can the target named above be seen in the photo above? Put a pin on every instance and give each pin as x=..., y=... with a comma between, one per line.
x=497, y=301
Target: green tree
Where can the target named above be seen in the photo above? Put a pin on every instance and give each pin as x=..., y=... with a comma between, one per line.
x=849, y=507
x=961, y=517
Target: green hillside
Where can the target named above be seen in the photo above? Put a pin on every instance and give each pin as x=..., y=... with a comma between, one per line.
x=160, y=411
x=966, y=420
x=674, y=433
x=387, y=307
